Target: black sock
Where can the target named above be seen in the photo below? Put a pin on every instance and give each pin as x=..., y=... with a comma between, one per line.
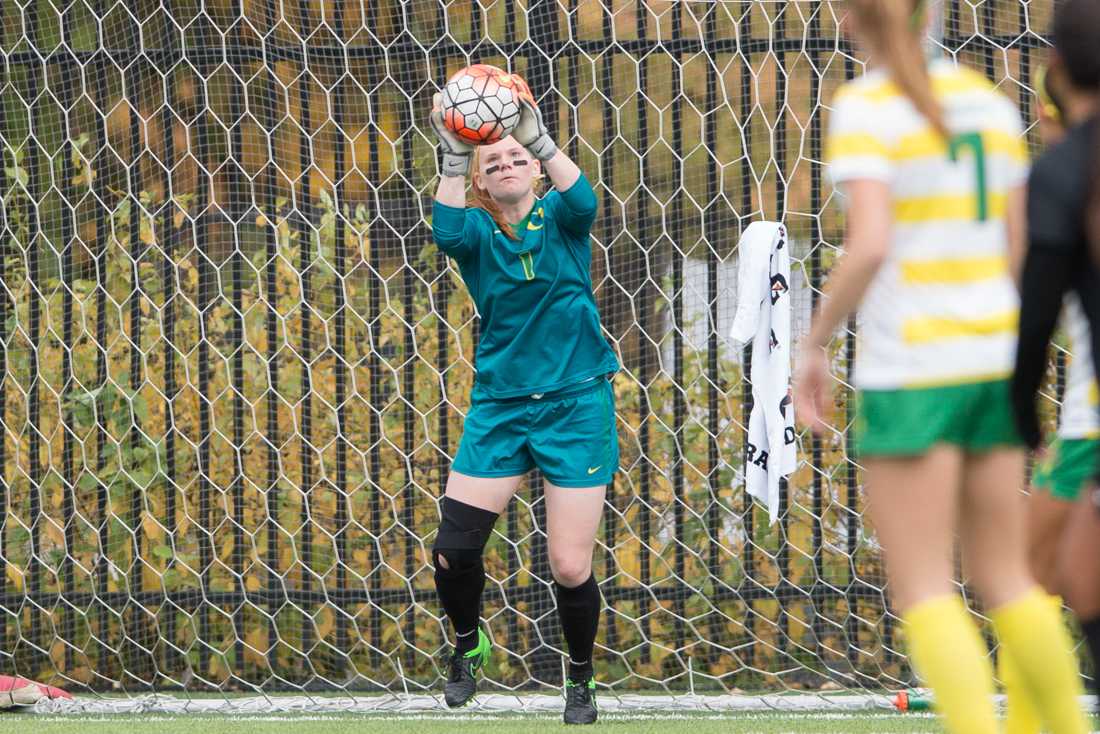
x=466, y=642
x=579, y=611
x=1091, y=630
x=460, y=583
x=460, y=594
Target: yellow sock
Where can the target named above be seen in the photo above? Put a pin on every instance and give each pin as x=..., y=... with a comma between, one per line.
x=950, y=654
x=1037, y=639
x=1021, y=715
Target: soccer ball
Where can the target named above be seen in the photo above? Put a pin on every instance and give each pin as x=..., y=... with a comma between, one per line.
x=481, y=103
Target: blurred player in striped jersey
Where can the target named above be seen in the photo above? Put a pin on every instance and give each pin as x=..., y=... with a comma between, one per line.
x=933, y=165
x=1063, y=193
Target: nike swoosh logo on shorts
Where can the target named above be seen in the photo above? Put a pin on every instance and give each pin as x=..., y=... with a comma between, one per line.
x=593, y=470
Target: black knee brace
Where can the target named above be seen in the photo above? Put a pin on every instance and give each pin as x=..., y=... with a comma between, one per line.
x=463, y=532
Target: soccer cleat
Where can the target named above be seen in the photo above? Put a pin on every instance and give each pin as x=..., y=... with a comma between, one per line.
x=462, y=682
x=580, y=702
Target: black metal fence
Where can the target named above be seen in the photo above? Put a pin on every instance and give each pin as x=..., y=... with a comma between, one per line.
x=234, y=368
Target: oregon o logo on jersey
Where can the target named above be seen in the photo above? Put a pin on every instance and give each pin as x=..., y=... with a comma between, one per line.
x=531, y=224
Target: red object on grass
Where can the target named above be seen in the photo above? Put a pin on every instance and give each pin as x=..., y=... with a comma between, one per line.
x=12, y=683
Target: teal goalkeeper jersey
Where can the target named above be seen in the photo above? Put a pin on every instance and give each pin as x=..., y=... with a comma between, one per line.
x=540, y=329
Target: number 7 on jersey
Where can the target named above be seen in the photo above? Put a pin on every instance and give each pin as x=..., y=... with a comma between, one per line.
x=973, y=140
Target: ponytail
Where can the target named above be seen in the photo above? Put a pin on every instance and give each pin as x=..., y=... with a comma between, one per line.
x=890, y=28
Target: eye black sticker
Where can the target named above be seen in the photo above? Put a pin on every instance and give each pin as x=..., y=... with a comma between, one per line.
x=493, y=169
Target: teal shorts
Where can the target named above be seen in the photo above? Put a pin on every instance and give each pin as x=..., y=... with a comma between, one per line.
x=976, y=417
x=569, y=435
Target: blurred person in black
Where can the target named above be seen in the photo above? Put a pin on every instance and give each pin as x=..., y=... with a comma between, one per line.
x=1063, y=257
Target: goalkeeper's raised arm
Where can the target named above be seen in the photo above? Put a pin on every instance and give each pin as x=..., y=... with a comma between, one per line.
x=456, y=159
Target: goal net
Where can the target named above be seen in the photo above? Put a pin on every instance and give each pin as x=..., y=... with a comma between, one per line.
x=235, y=369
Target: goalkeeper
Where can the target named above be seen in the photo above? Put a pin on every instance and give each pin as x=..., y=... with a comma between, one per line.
x=542, y=396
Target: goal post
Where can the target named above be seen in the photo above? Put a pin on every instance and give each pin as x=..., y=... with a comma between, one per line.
x=234, y=367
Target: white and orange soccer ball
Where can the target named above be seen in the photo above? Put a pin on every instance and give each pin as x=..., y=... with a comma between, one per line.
x=481, y=103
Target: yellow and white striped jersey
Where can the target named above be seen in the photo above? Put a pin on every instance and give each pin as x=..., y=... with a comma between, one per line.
x=1081, y=403
x=943, y=308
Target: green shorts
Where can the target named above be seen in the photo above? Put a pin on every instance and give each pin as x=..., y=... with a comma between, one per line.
x=976, y=417
x=1070, y=463
x=569, y=435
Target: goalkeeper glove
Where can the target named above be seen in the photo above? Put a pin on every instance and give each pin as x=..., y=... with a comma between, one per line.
x=531, y=132
x=456, y=153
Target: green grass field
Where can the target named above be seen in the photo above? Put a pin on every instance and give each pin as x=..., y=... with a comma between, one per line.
x=494, y=713
x=878, y=723
x=442, y=723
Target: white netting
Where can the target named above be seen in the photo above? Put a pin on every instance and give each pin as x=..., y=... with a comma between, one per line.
x=235, y=368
